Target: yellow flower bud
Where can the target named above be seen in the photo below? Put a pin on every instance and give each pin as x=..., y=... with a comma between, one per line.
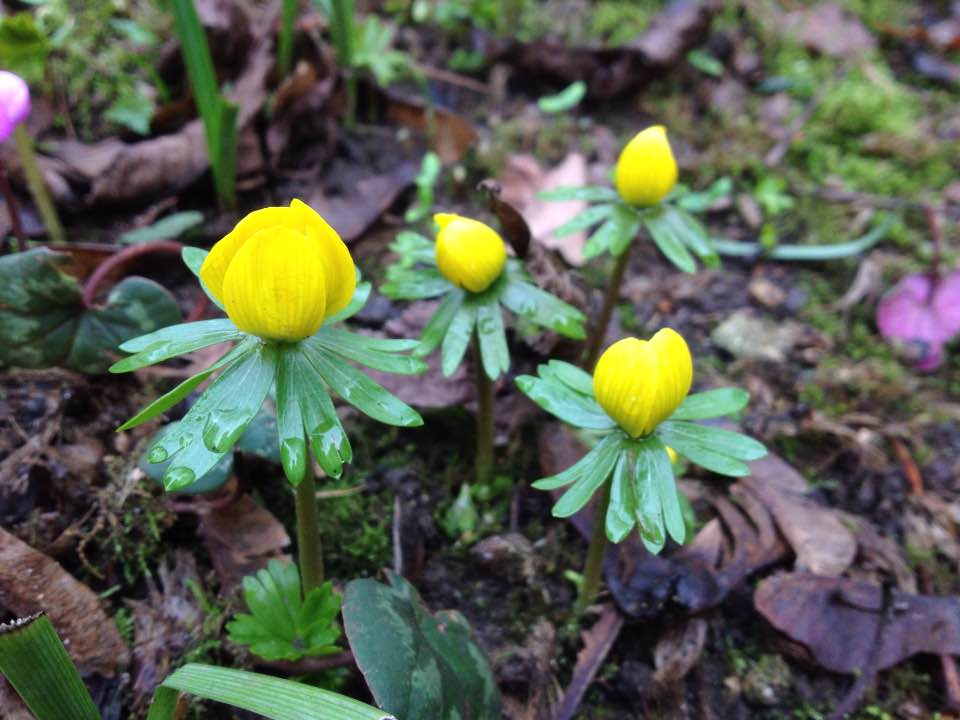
x=281, y=272
x=470, y=254
x=640, y=383
x=646, y=170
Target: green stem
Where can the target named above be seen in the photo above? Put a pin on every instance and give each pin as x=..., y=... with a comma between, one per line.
x=485, y=417
x=598, y=544
x=610, y=298
x=308, y=534
x=288, y=21
x=38, y=188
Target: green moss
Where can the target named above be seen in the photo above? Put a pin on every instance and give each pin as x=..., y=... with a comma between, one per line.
x=615, y=22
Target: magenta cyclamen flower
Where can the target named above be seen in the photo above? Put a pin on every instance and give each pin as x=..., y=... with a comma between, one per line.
x=14, y=102
x=922, y=311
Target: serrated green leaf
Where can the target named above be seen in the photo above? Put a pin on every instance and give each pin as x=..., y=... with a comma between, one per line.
x=436, y=328
x=589, y=193
x=417, y=664
x=43, y=321
x=280, y=625
x=591, y=479
x=377, y=353
x=173, y=341
x=678, y=436
x=492, y=337
x=272, y=697
x=664, y=233
x=171, y=398
x=356, y=388
x=622, y=511
x=560, y=400
x=584, y=466
x=457, y=338
x=711, y=404
x=587, y=218
x=540, y=307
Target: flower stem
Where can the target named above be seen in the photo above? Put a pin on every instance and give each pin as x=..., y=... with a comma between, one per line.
x=598, y=544
x=610, y=298
x=308, y=534
x=13, y=211
x=37, y=186
x=485, y=417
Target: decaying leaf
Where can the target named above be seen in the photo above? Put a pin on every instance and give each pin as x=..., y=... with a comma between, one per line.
x=836, y=620
x=31, y=582
x=451, y=134
x=241, y=538
x=678, y=650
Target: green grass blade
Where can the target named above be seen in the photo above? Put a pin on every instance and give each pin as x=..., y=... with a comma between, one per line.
x=33, y=659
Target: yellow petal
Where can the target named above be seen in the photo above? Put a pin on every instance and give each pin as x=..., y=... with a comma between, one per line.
x=646, y=169
x=214, y=267
x=340, y=271
x=275, y=286
x=639, y=383
x=470, y=254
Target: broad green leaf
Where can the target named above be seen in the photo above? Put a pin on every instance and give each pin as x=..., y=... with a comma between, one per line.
x=565, y=100
x=166, y=228
x=677, y=436
x=590, y=481
x=303, y=384
x=171, y=398
x=588, y=218
x=417, y=283
x=356, y=388
x=377, y=353
x=43, y=321
x=664, y=233
x=271, y=697
x=492, y=337
x=417, y=664
x=558, y=399
x=193, y=258
x=221, y=466
x=608, y=446
x=217, y=419
x=282, y=625
x=457, y=339
x=711, y=404
x=660, y=472
x=34, y=660
x=173, y=341
x=436, y=328
x=540, y=307
x=650, y=519
x=588, y=193
x=570, y=375
x=622, y=511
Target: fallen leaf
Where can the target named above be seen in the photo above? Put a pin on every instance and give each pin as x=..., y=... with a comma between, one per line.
x=450, y=133
x=826, y=28
x=513, y=226
x=835, y=620
x=241, y=538
x=164, y=624
x=678, y=650
x=31, y=582
x=523, y=178
x=744, y=335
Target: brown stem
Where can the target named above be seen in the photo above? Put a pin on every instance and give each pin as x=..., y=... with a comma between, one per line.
x=121, y=258
x=610, y=298
x=13, y=211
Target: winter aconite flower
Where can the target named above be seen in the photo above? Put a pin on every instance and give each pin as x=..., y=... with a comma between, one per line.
x=14, y=102
x=646, y=169
x=639, y=383
x=281, y=272
x=470, y=254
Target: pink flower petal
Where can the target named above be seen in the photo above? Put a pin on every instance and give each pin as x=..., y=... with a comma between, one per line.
x=14, y=102
x=923, y=313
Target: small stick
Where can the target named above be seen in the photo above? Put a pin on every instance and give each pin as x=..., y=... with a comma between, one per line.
x=910, y=469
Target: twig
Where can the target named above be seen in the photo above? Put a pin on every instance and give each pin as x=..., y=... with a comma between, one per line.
x=452, y=78
x=909, y=465
x=598, y=641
